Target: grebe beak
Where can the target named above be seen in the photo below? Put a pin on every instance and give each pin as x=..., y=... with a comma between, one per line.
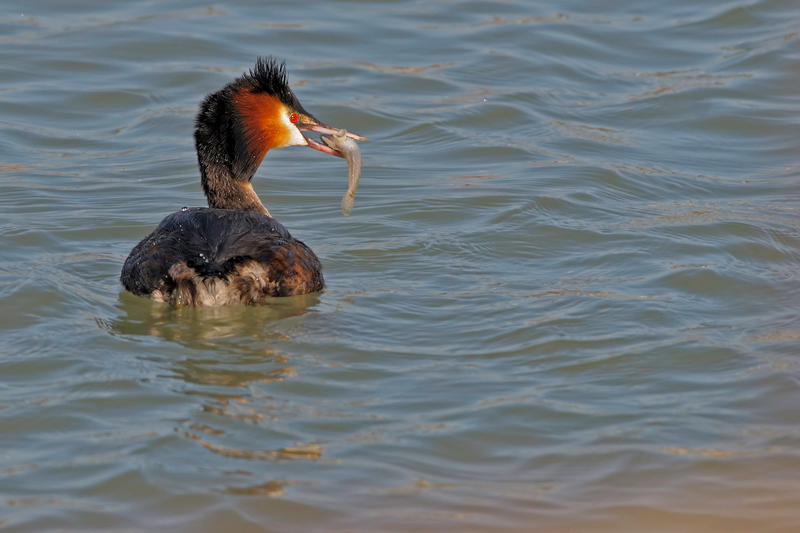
x=309, y=123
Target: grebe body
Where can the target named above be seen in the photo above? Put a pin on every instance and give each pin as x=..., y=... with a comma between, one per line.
x=206, y=256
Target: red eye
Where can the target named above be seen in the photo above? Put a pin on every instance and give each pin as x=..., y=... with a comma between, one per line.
x=293, y=118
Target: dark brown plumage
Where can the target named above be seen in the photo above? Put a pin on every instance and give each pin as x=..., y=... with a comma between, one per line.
x=202, y=256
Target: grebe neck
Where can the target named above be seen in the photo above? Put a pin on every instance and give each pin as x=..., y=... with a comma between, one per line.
x=226, y=192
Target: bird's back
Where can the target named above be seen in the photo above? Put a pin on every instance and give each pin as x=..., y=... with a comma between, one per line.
x=203, y=256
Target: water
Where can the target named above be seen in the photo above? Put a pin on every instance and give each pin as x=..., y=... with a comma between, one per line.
x=566, y=299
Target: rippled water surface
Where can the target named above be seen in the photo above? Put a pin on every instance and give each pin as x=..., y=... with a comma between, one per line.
x=567, y=299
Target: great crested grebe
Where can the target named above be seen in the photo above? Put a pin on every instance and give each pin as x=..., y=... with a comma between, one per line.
x=233, y=252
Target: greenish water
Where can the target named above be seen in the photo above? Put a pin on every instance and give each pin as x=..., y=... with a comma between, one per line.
x=567, y=299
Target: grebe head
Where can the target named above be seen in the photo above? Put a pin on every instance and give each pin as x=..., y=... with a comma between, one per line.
x=240, y=123
x=257, y=112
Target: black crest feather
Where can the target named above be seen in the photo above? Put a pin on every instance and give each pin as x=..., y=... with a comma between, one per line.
x=269, y=76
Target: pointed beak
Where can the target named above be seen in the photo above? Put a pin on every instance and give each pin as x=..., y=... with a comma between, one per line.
x=309, y=123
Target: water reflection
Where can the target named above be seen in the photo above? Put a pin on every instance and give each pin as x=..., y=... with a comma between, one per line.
x=227, y=362
x=205, y=372
x=199, y=328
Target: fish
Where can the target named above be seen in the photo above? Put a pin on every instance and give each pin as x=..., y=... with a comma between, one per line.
x=340, y=142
